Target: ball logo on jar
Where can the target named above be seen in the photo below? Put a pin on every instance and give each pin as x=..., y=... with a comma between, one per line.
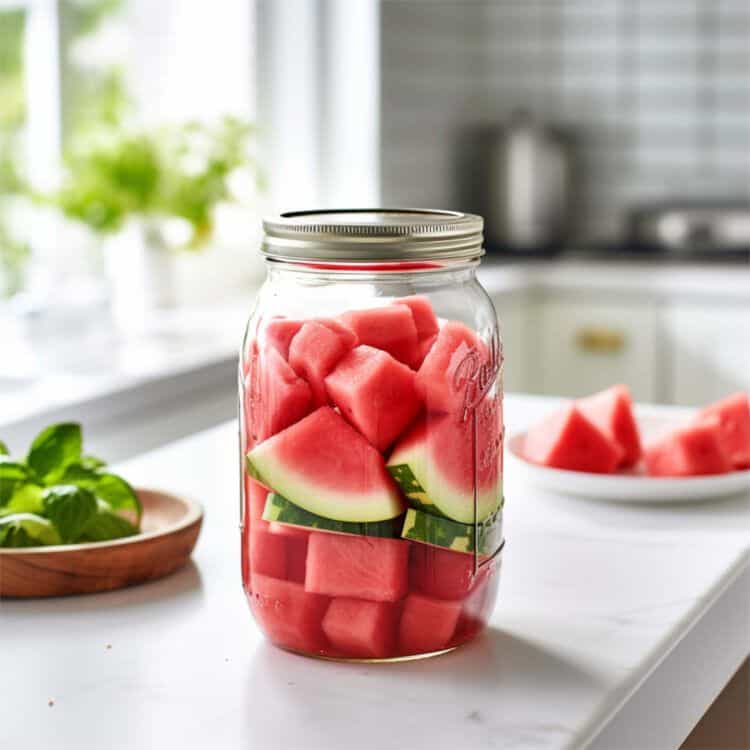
x=475, y=375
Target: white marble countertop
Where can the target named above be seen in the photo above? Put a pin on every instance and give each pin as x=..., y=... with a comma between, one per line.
x=616, y=628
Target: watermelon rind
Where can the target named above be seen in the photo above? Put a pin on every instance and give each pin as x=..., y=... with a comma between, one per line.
x=280, y=510
x=437, y=531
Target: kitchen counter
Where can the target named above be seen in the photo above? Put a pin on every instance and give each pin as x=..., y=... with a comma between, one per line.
x=616, y=627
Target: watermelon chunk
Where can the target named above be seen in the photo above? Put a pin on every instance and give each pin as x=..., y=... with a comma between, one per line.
x=267, y=553
x=389, y=328
x=275, y=397
x=296, y=556
x=375, y=393
x=357, y=566
x=441, y=573
x=425, y=320
x=427, y=624
x=612, y=412
x=290, y=616
x=691, y=451
x=733, y=414
x=479, y=604
x=360, y=628
x=256, y=495
x=325, y=466
x=441, y=379
x=436, y=463
x=568, y=440
x=423, y=349
x=278, y=334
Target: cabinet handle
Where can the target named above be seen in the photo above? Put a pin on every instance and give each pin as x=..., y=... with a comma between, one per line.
x=600, y=340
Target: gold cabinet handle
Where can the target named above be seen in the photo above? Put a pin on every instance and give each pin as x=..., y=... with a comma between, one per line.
x=600, y=340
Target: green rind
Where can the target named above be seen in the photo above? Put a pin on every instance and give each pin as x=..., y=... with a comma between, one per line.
x=437, y=531
x=280, y=510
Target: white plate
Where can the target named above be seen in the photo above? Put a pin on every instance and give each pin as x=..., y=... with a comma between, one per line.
x=629, y=486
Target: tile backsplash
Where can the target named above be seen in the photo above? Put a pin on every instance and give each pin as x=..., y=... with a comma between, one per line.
x=656, y=94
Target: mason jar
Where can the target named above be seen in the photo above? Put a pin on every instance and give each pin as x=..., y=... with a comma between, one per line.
x=371, y=434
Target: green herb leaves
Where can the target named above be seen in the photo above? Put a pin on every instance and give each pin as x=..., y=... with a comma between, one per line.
x=59, y=496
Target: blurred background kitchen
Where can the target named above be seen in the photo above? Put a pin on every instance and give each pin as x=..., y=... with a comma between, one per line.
x=607, y=144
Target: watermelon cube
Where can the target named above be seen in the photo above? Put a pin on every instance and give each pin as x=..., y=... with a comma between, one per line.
x=256, y=495
x=691, y=451
x=290, y=616
x=278, y=334
x=568, y=440
x=441, y=380
x=313, y=353
x=375, y=393
x=733, y=414
x=359, y=567
x=423, y=349
x=441, y=573
x=425, y=320
x=267, y=553
x=275, y=397
x=389, y=328
x=612, y=412
x=427, y=624
x=360, y=628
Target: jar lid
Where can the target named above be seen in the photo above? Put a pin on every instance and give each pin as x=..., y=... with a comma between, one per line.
x=368, y=235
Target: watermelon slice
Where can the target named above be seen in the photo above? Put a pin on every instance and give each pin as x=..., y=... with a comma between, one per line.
x=325, y=466
x=290, y=616
x=436, y=464
x=427, y=624
x=357, y=566
x=612, y=412
x=691, y=451
x=733, y=414
x=428, y=528
x=275, y=397
x=389, y=328
x=313, y=353
x=359, y=628
x=288, y=518
x=441, y=380
x=375, y=393
x=441, y=573
x=568, y=440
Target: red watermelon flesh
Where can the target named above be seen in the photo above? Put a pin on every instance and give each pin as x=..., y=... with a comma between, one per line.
x=267, y=553
x=375, y=393
x=357, y=566
x=389, y=328
x=733, y=414
x=427, y=624
x=691, y=451
x=441, y=380
x=361, y=629
x=296, y=557
x=423, y=349
x=256, y=495
x=441, y=573
x=479, y=604
x=275, y=397
x=279, y=332
x=285, y=529
x=290, y=616
x=425, y=320
x=568, y=440
x=612, y=412
x=313, y=353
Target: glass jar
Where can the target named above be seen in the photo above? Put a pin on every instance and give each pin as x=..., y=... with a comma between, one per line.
x=371, y=435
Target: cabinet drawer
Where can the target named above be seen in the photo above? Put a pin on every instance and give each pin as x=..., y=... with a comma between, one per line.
x=580, y=347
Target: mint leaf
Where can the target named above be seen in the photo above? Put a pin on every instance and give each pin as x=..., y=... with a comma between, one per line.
x=106, y=525
x=92, y=462
x=11, y=474
x=3, y=449
x=27, y=530
x=26, y=498
x=70, y=509
x=118, y=493
x=53, y=450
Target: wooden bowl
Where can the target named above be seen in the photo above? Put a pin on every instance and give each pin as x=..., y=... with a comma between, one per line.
x=169, y=530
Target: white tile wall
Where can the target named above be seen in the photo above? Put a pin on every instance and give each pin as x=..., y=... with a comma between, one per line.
x=657, y=92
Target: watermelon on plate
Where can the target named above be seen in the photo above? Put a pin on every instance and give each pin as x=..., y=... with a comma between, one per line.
x=427, y=624
x=690, y=451
x=290, y=616
x=323, y=465
x=612, y=412
x=388, y=328
x=275, y=397
x=568, y=440
x=437, y=461
x=360, y=628
x=733, y=413
x=359, y=567
x=375, y=392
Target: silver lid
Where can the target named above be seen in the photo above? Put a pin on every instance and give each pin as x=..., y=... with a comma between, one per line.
x=368, y=235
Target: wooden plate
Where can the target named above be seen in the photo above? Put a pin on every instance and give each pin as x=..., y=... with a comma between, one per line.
x=170, y=527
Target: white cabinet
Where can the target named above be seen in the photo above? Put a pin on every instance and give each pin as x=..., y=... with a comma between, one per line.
x=577, y=346
x=709, y=351
x=512, y=314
